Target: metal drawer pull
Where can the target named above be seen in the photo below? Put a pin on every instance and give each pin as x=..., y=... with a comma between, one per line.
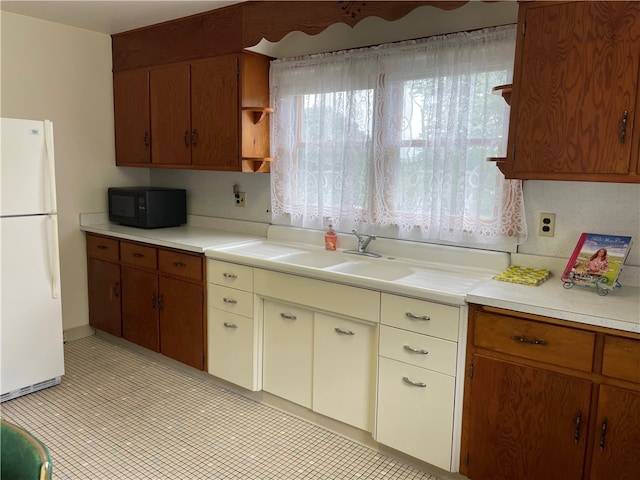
x=232, y=276
x=416, y=350
x=603, y=432
x=414, y=384
x=229, y=300
x=343, y=332
x=417, y=317
x=102, y=247
x=230, y=325
x=520, y=339
x=287, y=316
x=138, y=255
x=576, y=432
x=179, y=264
x=623, y=126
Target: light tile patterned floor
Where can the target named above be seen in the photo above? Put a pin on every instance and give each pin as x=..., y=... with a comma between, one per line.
x=121, y=415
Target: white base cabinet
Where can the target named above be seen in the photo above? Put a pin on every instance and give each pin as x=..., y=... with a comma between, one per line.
x=234, y=341
x=287, y=360
x=325, y=358
x=344, y=375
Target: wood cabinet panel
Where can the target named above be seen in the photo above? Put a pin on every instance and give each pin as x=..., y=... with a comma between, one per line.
x=514, y=407
x=140, y=308
x=180, y=264
x=102, y=247
x=621, y=358
x=615, y=452
x=575, y=92
x=214, y=112
x=170, y=105
x=131, y=116
x=181, y=306
x=139, y=255
x=104, y=295
x=551, y=344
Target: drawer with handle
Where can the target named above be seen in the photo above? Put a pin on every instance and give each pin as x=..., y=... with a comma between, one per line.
x=180, y=264
x=138, y=255
x=621, y=358
x=230, y=300
x=566, y=347
x=420, y=316
x=101, y=247
x=419, y=350
x=230, y=275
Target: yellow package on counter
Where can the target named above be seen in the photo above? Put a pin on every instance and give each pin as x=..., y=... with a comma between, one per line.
x=524, y=276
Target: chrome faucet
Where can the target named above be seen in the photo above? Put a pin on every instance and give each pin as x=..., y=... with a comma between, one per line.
x=363, y=243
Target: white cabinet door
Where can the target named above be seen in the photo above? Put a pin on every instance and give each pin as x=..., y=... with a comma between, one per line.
x=288, y=352
x=344, y=370
x=415, y=411
x=231, y=349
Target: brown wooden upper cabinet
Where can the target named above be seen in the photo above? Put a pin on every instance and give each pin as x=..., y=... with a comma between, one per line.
x=575, y=92
x=198, y=115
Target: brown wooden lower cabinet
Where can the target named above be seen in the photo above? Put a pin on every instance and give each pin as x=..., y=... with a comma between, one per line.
x=151, y=296
x=530, y=412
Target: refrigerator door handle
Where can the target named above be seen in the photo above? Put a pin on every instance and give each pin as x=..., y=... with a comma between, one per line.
x=48, y=141
x=55, y=258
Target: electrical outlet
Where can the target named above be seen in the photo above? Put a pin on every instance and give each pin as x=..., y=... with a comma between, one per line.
x=240, y=198
x=547, y=225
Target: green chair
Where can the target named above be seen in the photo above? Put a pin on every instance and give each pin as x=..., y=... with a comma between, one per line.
x=22, y=456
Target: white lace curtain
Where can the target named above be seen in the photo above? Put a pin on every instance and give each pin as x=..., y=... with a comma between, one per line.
x=393, y=140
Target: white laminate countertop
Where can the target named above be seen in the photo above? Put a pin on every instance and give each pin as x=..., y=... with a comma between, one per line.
x=442, y=274
x=619, y=309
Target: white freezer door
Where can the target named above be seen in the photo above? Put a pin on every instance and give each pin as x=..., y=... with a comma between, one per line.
x=30, y=314
x=28, y=167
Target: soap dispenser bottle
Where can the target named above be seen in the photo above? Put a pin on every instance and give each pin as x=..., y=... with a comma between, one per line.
x=330, y=239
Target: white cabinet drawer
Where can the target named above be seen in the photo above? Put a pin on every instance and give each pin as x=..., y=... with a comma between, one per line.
x=230, y=300
x=288, y=352
x=319, y=295
x=232, y=350
x=420, y=316
x=417, y=418
x=420, y=350
x=230, y=275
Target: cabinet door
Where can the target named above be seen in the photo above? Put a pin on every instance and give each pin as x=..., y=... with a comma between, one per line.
x=344, y=372
x=131, y=115
x=232, y=348
x=181, y=307
x=577, y=85
x=104, y=296
x=526, y=423
x=616, y=452
x=415, y=411
x=214, y=112
x=139, y=307
x=288, y=352
x=170, y=115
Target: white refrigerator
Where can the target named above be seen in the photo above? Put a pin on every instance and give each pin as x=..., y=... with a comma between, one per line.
x=31, y=341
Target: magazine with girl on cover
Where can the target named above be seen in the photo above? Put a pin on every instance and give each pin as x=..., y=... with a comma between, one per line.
x=597, y=258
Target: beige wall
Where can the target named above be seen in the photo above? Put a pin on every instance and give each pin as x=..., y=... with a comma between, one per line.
x=63, y=74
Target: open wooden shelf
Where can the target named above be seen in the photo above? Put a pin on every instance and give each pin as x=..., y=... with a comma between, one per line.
x=505, y=91
x=258, y=112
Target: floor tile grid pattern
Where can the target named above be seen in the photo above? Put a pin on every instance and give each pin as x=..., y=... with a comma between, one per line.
x=120, y=415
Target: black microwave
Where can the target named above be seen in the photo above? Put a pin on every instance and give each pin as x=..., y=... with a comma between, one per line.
x=147, y=207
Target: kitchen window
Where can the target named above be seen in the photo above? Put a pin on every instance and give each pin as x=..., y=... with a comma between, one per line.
x=393, y=140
